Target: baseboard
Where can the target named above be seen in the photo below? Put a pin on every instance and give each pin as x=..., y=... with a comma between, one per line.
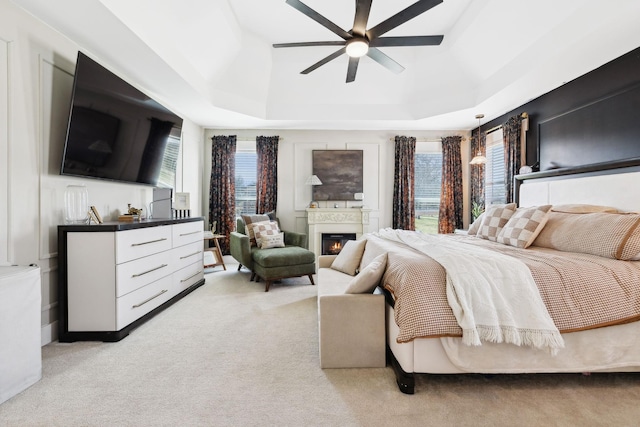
x=48, y=333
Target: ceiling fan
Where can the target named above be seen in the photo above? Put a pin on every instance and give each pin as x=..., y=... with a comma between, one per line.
x=359, y=41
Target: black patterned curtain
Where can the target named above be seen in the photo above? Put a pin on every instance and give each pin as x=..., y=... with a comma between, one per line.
x=450, y=214
x=404, y=216
x=267, y=173
x=511, y=133
x=476, y=173
x=222, y=191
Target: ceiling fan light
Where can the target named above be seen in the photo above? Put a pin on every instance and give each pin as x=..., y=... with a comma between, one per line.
x=357, y=48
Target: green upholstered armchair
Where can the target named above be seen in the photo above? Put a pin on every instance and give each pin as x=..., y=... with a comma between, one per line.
x=272, y=264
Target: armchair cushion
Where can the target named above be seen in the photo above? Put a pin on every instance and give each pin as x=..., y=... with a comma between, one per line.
x=287, y=256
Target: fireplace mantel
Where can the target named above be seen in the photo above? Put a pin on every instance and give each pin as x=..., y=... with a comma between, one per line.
x=336, y=220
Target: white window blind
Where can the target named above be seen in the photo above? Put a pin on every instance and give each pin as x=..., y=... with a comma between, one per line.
x=494, y=169
x=246, y=171
x=428, y=180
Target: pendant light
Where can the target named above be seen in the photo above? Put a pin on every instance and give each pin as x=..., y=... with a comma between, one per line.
x=479, y=159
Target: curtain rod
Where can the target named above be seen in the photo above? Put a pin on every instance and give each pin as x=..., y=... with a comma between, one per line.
x=253, y=140
x=430, y=140
x=493, y=129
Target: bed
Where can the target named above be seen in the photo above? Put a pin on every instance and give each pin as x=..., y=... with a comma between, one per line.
x=588, y=281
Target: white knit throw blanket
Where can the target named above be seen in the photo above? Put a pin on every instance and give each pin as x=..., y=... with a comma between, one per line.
x=493, y=296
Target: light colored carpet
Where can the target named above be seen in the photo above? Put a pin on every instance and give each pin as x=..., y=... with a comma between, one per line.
x=230, y=354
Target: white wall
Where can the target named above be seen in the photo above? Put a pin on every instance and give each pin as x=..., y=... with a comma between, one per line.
x=36, y=77
x=295, y=166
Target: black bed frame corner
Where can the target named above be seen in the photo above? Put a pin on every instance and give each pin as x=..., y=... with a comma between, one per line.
x=405, y=380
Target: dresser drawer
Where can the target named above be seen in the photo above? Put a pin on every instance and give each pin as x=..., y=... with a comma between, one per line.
x=133, y=244
x=139, y=272
x=188, y=254
x=187, y=276
x=187, y=232
x=136, y=304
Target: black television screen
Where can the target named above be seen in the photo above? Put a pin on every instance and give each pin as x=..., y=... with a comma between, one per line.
x=118, y=133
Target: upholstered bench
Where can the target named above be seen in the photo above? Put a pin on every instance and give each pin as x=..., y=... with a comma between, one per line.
x=351, y=312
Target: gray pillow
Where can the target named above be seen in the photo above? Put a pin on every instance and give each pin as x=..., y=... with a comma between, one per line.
x=349, y=257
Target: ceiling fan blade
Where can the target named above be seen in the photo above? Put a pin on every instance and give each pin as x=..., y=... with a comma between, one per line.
x=319, y=18
x=401, y=17
x=384, y=60
x=353, y=68
x=363, y=7
x=406, y=41
x=304, y=44
x=320, y=63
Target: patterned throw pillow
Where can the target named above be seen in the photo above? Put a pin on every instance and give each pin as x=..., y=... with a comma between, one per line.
x=253, y=219
x=495, y=217
x=262, y=229
x=272, y=241
x=524, y=226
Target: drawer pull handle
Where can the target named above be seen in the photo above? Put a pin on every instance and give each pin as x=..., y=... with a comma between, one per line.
x=150, y=241
x=149, y=271
x=149, y=299
x=187, y=234
x=190, y=255
x=190, y=277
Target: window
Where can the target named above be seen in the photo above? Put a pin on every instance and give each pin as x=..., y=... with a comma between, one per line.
x=246, y=171
x=494, y=188
x=428, y=179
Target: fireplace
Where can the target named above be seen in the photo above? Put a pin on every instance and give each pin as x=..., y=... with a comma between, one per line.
x=332, y=243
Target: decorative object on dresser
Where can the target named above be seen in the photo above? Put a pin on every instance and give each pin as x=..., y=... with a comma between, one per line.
x=76, y=203
x=114, y=276
x=340, y=172
x=161, y=206
x=182, y=205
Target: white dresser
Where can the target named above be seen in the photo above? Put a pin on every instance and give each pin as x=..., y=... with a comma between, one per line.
x=115, y=276
x=20, y=343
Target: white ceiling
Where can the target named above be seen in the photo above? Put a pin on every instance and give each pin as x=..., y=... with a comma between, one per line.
x=212, y=60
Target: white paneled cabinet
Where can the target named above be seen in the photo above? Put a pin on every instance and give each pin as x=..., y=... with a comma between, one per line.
x=115, y=276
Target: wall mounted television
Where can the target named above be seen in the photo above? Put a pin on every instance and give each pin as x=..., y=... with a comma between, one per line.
x=116, y=132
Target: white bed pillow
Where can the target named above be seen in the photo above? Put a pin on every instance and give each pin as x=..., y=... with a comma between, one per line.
x=495, y=217
x=368, y=279
x=348, y=260
x=524, y=226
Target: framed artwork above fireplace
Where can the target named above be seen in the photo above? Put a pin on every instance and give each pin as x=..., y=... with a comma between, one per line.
x=340, y=172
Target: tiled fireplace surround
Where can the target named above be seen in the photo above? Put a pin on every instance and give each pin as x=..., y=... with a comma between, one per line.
x=336, y=220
